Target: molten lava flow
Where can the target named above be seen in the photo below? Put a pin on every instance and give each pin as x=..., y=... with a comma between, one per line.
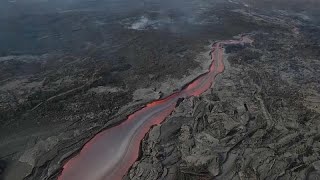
x=111, y=153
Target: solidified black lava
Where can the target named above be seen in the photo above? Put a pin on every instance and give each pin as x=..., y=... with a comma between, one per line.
x=69, y=69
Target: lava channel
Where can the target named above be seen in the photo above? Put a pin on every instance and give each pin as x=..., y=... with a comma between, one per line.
x=110, y=154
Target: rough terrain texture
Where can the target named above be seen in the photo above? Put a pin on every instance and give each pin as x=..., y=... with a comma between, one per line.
x=260, y=120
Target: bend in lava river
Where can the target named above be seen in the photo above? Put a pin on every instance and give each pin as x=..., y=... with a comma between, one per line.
x=111, y=153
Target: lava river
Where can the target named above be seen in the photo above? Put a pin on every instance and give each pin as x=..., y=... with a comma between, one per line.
x=111, y=153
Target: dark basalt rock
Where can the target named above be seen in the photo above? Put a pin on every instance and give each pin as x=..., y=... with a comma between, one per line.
x=3, y=166
x=233, y=48
x=259, y=121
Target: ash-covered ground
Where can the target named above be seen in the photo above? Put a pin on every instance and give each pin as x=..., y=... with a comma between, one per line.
x=69, y=69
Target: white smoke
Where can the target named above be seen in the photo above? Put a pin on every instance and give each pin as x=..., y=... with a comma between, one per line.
x=141, y=23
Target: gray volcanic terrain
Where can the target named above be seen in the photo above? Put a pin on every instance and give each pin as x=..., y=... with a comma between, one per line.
x=72, y=72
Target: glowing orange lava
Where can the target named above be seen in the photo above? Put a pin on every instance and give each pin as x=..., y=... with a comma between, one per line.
x=111, y=153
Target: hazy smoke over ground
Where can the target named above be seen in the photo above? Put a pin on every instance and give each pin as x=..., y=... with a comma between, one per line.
x=32, y=6
x=64, y=24
x=31, y=25
x=183, y=6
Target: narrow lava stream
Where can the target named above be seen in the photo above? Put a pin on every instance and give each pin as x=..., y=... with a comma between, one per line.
x=111, y=153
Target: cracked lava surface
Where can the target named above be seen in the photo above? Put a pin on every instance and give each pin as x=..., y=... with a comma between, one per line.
x=111, y=153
